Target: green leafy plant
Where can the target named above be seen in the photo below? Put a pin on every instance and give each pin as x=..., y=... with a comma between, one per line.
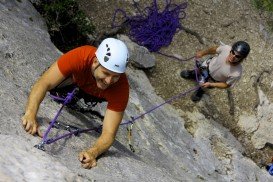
x=266, y=5
x=68, y=26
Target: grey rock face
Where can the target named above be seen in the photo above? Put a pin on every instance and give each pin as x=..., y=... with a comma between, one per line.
x=140, y=56
x=263, y=133
x=164, y=149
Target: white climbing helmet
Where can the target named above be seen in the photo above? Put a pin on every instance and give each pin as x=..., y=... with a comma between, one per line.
x=113, y=55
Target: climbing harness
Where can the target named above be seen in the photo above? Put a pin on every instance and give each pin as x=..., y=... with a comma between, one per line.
x=154, y=29
x=203, y=70
x=81, y=101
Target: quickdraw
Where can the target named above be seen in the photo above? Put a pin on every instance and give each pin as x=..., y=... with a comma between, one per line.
x=129, y=130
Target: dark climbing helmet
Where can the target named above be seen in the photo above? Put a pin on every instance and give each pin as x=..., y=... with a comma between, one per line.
x=242, y=48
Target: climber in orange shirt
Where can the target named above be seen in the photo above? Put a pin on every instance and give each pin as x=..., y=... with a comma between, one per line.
x=99, y=72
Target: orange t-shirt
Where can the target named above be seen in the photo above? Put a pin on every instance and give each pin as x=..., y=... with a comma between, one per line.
x=77, y=63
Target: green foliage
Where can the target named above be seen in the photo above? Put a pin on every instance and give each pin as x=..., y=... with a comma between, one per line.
x=266, y=5
x=270, y=25
x=68, y=26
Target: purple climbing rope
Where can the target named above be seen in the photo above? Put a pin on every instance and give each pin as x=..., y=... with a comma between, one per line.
x=154, y=29
x=184, y=93
x=68, y=99
x=64, y=101
x=70, y=96
x=156, y=107
x=76, y=132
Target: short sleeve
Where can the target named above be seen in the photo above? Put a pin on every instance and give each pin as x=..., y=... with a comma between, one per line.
x=74, y=60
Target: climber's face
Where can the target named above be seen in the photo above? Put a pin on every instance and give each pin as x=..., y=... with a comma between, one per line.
x=103, y=76
x=234, y=57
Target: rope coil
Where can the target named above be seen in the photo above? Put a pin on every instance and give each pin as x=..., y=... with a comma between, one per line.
x=154, y=29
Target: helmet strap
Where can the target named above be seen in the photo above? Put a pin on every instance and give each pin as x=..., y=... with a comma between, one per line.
x=93, y=72
x=97, y=66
